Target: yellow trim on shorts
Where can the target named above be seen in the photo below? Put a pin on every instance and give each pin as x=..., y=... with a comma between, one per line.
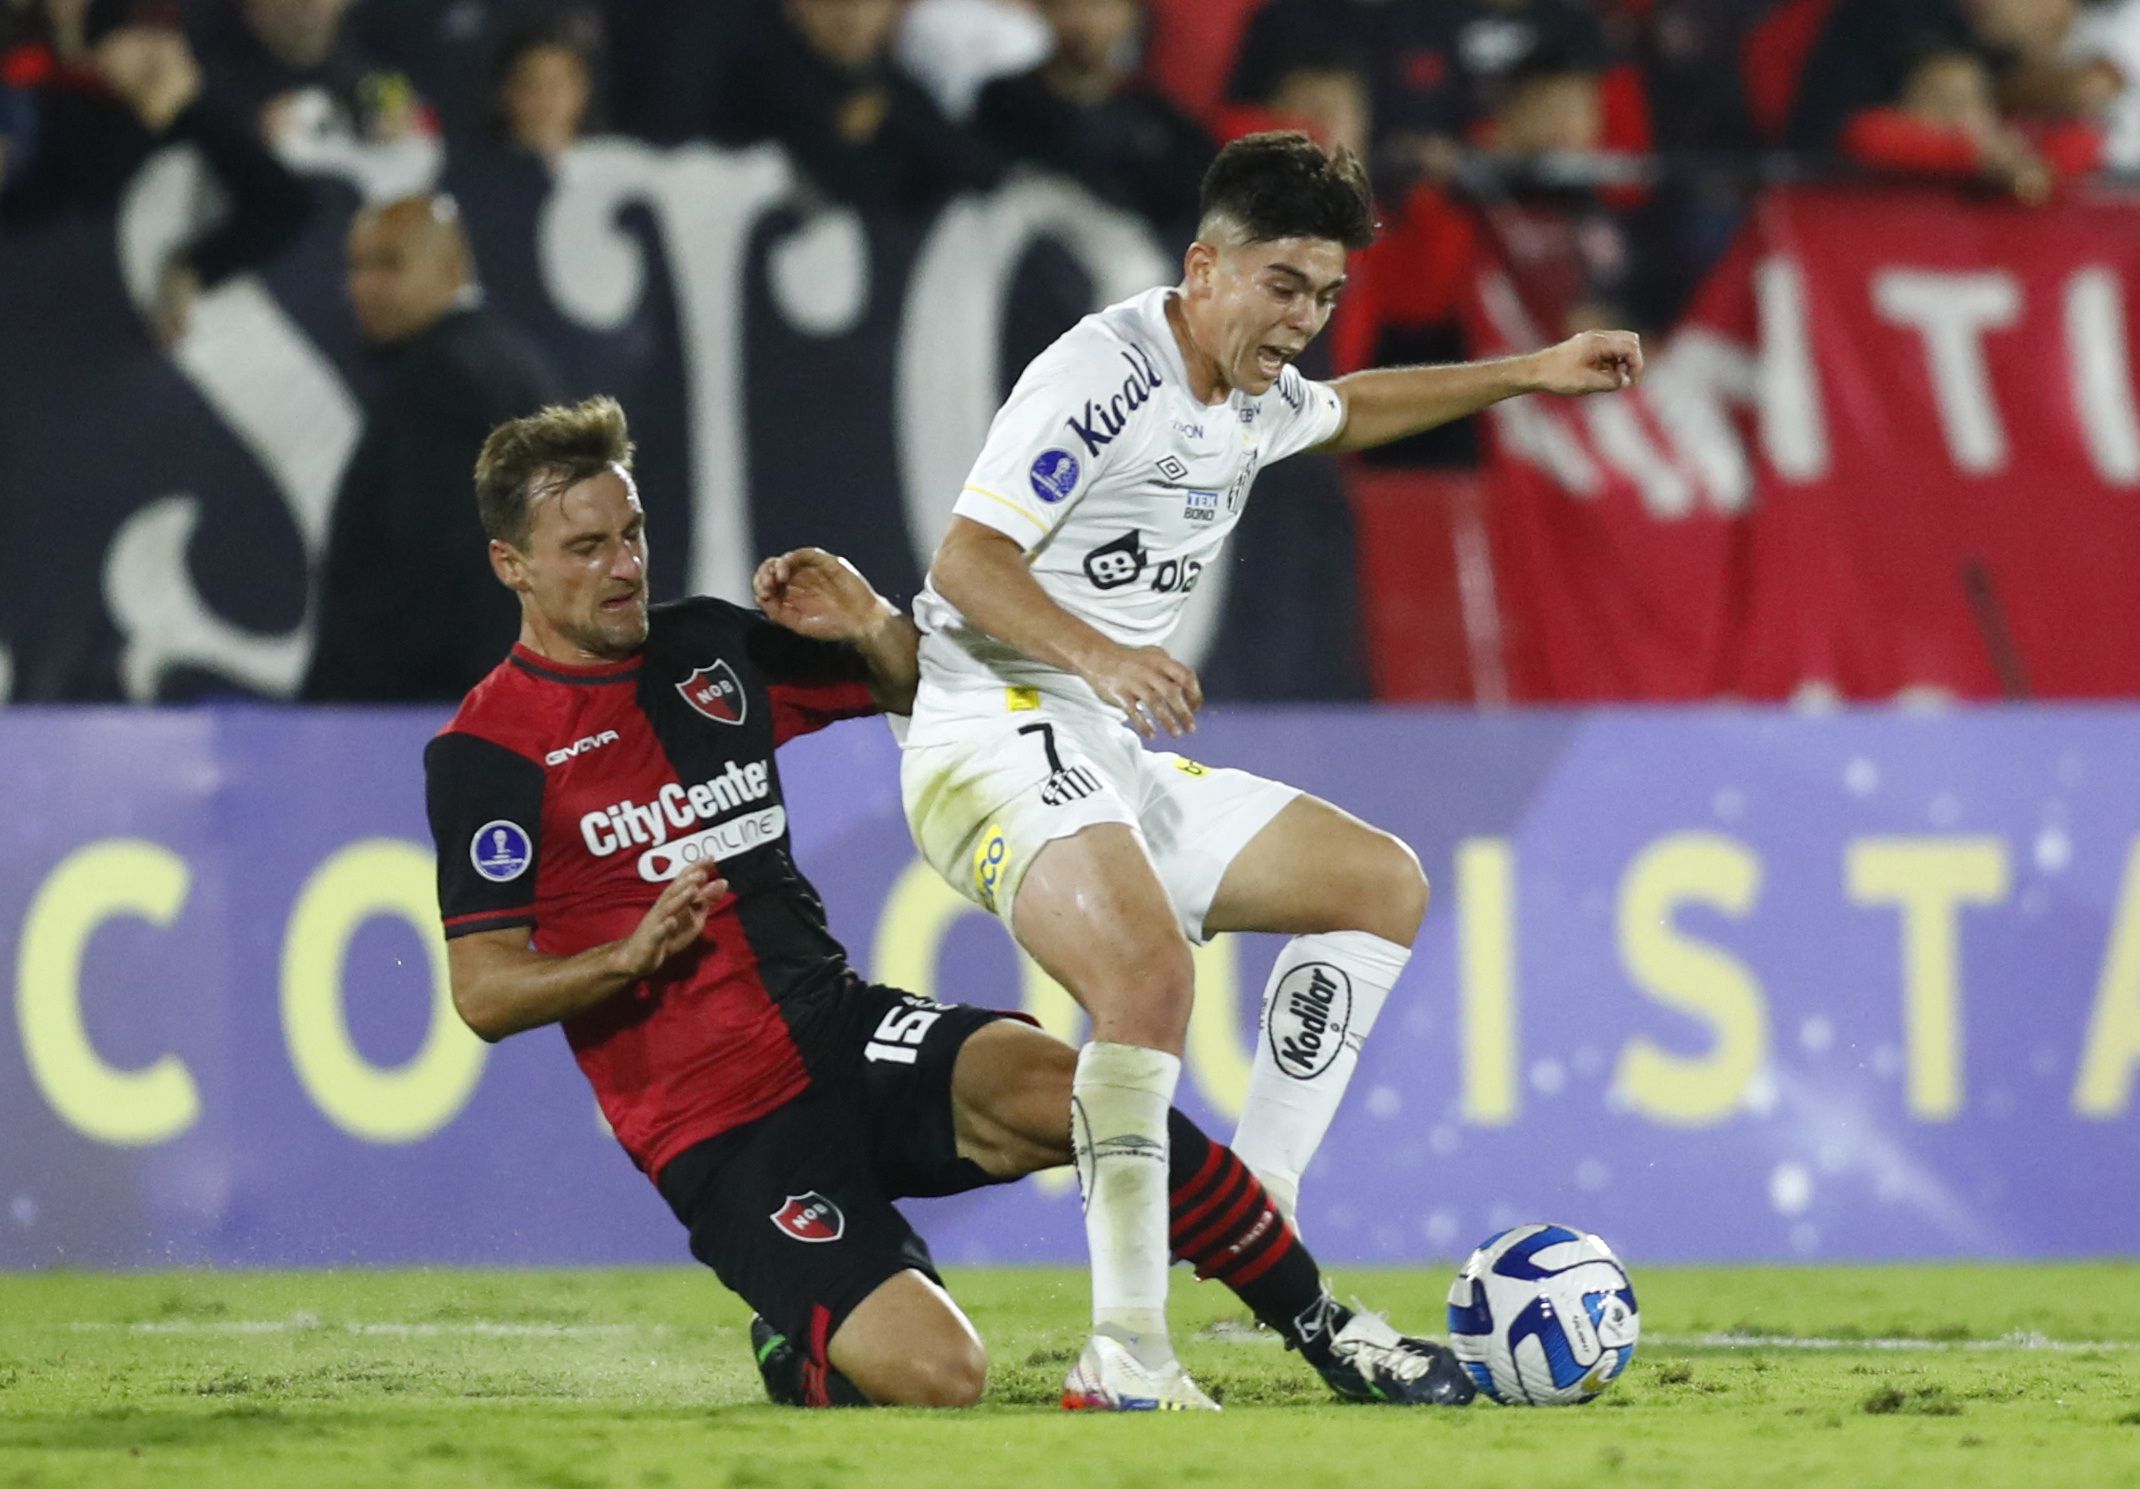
x=1006, y=501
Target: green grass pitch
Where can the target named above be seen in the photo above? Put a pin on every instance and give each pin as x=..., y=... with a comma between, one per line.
x=1922, y=1376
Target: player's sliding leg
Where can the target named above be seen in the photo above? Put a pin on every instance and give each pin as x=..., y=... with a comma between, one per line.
x=1092, y=912
x=906, y=1344
x=1352, y=897
x=1226, y=1225
x=1010, y=1096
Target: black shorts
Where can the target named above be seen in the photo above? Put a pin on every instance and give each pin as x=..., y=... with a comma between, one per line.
x=794, y=1211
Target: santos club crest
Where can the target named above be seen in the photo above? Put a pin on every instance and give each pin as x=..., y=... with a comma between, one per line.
x=810, y=1217
x=715, y=692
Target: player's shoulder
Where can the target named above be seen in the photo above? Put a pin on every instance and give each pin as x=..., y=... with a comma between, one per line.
x=1291, y=390
x=504, y=710
x=516, y=710
x=1092, y=351
x=696, y=615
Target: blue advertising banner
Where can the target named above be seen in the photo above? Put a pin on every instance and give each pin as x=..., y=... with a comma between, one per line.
x=1718, y=985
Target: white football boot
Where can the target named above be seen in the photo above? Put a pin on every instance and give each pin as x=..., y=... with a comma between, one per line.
x=1107, y=1377
x=1368, y=1360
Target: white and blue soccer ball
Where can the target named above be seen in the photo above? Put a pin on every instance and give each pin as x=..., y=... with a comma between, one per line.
x=1543, y=1315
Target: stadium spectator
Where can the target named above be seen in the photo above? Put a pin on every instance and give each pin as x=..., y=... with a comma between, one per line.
x=1190, y=50
x=292, y=69
x=954, y=48
x=2105, y=41
x=1405, y=296
x=405, y=608
x=1568, y=248
x=817, y=76
x=1083, y=113
x=449, y=51
x=130, y=87
x=1946, y=122
x=1916, y=87
x=541, y=90
x=1431, y=62
x=1689, y=55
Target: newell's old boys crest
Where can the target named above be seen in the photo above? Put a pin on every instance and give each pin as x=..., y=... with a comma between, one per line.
x=715, y=691
x=810, y=1217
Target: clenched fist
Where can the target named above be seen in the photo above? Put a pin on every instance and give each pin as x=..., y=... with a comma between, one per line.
x=1590, y=362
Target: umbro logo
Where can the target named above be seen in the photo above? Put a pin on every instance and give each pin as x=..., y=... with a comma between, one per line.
x=1172, y=468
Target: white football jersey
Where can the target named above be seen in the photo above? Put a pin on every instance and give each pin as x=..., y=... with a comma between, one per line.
x=1120, y=485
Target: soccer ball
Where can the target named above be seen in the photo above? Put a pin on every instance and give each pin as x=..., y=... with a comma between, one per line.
x=1543, y=1315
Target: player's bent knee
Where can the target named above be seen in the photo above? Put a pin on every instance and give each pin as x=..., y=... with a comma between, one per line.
x=950, y=1375
x=1398, y=900
x=1148, y=1005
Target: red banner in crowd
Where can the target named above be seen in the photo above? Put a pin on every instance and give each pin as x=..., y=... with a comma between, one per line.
x=1893, y=448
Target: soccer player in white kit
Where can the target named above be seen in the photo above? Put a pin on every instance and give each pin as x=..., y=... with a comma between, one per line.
x=1107, y=485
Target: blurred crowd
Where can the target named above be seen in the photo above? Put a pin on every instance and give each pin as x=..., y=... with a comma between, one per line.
x=901, y=102
x=1538, y=122
x=1602, y=148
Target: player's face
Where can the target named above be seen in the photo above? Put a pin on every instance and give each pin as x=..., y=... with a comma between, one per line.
x=583, y=570
x=1267, y=301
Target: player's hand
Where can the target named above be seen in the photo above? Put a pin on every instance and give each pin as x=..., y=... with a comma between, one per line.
x=1590, y=362
x=1156, y=691
x=674, y=921
x=820, y=594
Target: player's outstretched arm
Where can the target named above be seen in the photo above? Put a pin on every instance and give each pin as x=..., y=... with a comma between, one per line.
x=984, y=574
x=1392, y=403
x=815, y=593
x=501, y=985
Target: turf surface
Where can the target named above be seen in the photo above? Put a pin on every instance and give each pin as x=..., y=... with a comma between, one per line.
x=1954, y=1376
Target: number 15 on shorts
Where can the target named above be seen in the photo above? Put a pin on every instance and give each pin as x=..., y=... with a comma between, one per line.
x=900, y=1033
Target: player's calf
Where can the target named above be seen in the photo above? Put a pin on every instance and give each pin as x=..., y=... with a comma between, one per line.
x=1226, y=1225
x=1353, y=897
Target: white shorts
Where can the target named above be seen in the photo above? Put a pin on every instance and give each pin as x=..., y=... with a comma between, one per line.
x=983, y=804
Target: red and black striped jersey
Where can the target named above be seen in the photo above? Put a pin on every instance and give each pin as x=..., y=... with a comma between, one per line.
x=563, y=798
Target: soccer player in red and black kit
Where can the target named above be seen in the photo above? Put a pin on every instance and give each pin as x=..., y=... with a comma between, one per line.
x=614, y=857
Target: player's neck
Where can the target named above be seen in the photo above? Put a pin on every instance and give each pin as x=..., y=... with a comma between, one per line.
x=1206, y=381
x=552, y=645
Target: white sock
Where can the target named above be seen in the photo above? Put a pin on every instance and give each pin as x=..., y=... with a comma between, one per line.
x=1322, y=1001
x=1118, y=1129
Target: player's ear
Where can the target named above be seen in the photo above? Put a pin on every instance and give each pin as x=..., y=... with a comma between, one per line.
x=509, y=565
x=1198, y=265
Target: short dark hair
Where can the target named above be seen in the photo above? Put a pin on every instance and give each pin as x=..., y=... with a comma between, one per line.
x=547, y=451
x=1282, y=184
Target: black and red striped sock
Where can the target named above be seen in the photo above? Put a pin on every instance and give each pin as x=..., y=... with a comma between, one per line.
x=1222, y=1222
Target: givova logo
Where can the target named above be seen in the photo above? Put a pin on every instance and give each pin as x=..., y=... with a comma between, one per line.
x=1309, y=1014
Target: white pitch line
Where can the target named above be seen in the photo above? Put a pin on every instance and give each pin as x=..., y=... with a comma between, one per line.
x=304, y=1324
x=1223, y=1332
x=2019, y=1342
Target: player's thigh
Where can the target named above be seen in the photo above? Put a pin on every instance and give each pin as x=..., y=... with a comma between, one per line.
x=1198, y=820
x=790, y=1215
x=909, y=1344
x=1010, y=1098
x=1314, y=867
x=950, y=1095
x=1093, y=913
x=984, y=803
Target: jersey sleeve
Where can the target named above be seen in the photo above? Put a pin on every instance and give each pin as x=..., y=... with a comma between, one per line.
x=1036, y=466
x=1299, y=414
x=809, y=683
x=485, y=805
